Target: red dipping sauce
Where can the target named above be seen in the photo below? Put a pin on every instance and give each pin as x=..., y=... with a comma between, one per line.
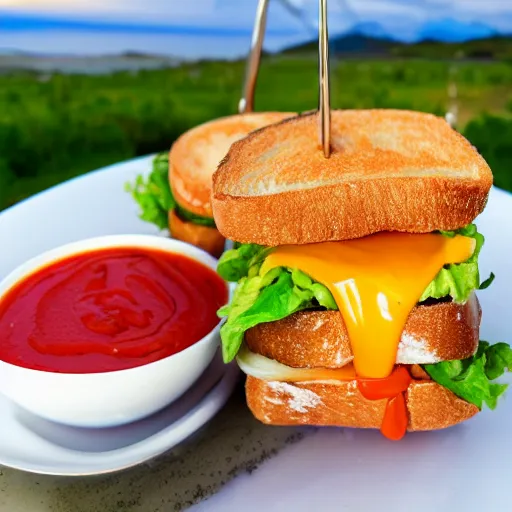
x=110, y=309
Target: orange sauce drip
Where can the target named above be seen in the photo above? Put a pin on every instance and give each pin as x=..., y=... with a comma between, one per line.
x=394, y=424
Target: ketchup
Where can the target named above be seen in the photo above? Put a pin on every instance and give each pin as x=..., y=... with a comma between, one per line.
x=394, y=424
x=110, y=309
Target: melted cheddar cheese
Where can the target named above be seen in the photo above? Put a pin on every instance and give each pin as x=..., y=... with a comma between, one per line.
x=376, y=281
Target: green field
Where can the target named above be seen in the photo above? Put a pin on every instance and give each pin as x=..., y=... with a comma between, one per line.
x=56, y=127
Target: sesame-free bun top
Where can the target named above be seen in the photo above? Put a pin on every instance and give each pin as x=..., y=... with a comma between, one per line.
x=196, y=154
x=389, y=170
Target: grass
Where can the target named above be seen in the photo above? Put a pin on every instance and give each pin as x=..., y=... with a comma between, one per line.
x=55, y=127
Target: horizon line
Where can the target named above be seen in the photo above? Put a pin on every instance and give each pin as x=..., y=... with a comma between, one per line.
x=21, y=22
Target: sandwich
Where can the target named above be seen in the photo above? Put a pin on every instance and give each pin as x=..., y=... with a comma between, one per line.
x=176, y=194
x=356, y=275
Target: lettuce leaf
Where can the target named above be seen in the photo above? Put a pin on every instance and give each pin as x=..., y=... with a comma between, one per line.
x=274, y=296
x=485, y=284
x=155, y=197
x=235, y=264
x=454, y=280
x=153, y=194
x=458, y=280
x=471, y=379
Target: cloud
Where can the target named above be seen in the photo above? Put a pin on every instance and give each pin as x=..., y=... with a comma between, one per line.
x=21, y=22
x=433, y=8
x=292, y=16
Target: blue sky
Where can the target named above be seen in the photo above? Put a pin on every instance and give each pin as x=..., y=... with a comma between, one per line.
x=33, y=24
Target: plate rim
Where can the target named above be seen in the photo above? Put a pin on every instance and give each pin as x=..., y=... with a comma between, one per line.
x=87, y=174
x=190, y=423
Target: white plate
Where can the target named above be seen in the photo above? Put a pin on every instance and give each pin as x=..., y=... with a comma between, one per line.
x=33, y=444
x=89, y=206
x=467, y=467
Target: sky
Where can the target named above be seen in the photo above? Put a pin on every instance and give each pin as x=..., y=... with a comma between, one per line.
x=203, y=27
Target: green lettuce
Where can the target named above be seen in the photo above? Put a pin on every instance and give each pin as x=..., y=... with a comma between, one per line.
x=471, y=379
x=274, y=296
x=155, y=197
x=460, y=279
x=242, y=264
x=153, y=194
x=235, y=264
x=455, y=280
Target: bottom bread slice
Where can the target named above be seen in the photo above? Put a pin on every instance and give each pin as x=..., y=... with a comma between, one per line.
x=430, y=406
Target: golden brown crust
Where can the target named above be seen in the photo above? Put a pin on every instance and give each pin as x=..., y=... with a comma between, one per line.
x=430, y=406
x=389, y=171
x=309, y=339
x=204, y=237
x=196, y=154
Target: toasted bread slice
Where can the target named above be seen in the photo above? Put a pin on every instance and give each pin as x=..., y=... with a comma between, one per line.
x=196, y=154
x=430, y=406
x=389, y=170
x=443, y=331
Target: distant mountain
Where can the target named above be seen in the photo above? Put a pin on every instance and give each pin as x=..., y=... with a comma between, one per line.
x=491, y=48
x=373, y=39
x=453, y=31
x=358, y=43
x=353, y=42
x=10, y=51
x=447, y=30
x=444, y=39
x=371, y=29
x=364, y=37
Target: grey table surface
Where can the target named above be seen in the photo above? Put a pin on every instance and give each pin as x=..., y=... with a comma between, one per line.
x=232, y=443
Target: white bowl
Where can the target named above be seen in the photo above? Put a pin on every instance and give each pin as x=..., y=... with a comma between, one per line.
x=111, y=398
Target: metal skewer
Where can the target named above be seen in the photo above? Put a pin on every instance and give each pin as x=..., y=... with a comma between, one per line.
x=246, y=103
x=453, y=107
x=323, y=74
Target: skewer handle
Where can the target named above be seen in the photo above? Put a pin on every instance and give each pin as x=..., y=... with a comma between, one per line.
x=246, y=103
x=323, y=75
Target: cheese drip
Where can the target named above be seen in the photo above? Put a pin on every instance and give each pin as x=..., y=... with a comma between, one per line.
x=376, y=281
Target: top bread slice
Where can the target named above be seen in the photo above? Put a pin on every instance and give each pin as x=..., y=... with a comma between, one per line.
x=389, y=170
x=196, y=154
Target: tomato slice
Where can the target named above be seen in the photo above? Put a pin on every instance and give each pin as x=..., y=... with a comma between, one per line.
x=388, y=387
x=394, y=424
